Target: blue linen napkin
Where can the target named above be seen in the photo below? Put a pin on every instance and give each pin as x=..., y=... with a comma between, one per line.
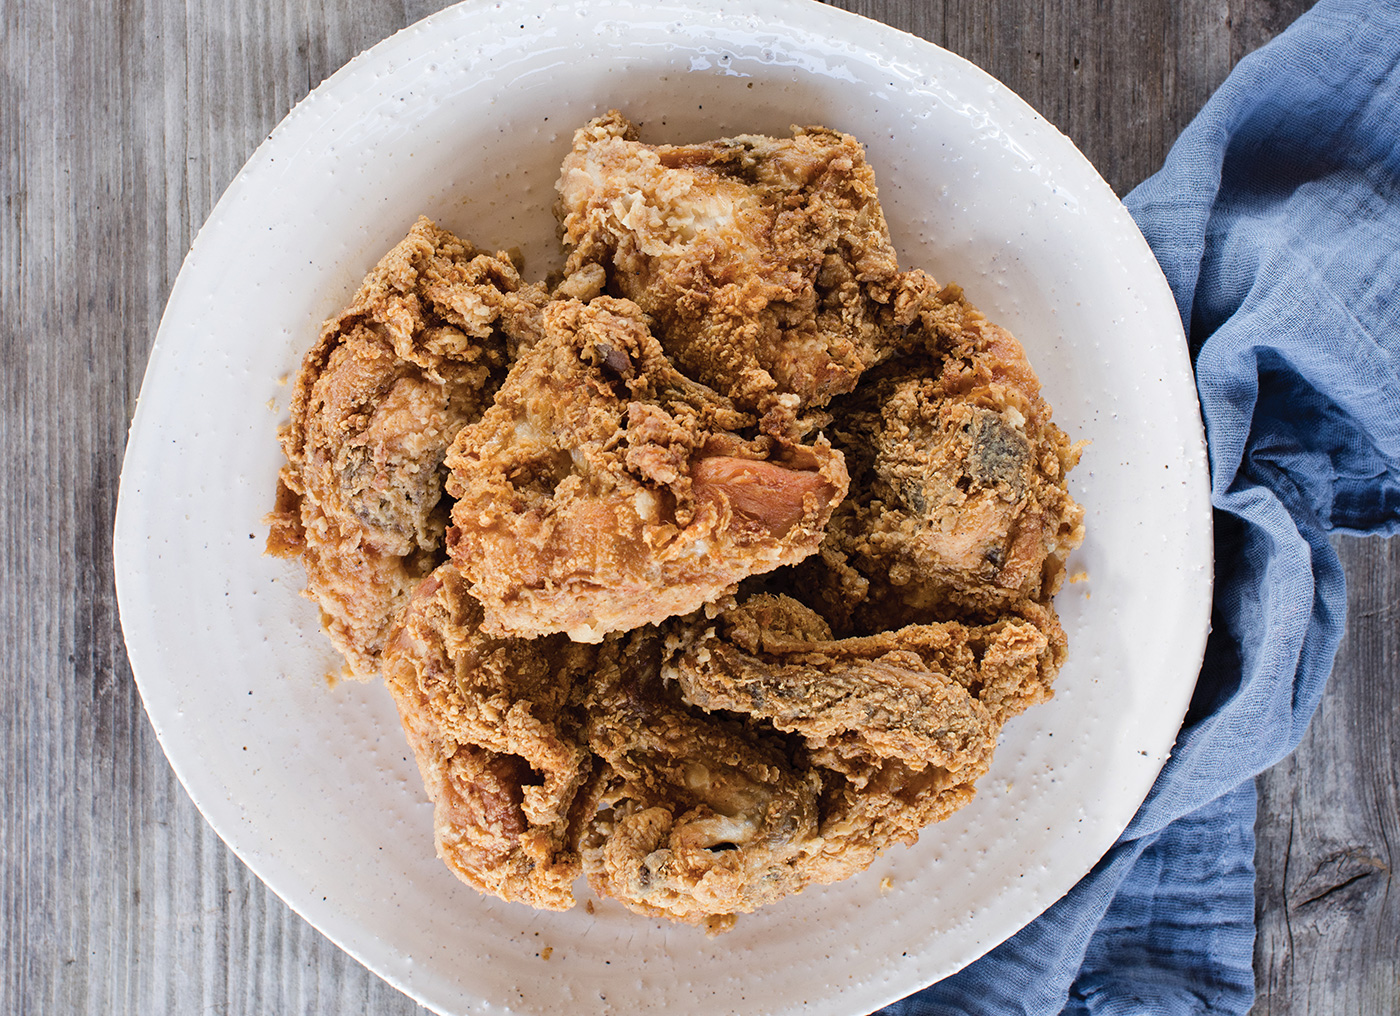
x=1276, y=219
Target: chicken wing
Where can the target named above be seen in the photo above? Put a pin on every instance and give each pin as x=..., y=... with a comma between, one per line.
x=604, y=490
x=892, y=696
x=377, y=401
x=897, y=726
x=766, y=261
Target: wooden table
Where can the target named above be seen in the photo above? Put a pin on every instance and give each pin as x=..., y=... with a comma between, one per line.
x=120, y=125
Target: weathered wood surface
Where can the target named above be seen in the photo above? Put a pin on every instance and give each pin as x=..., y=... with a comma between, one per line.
x=120, y=124
x=1327, y=906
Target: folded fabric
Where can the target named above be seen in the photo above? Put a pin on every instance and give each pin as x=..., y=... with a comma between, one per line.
x=1276, y=220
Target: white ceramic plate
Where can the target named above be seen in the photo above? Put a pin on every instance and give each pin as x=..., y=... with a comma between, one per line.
x=465, y=117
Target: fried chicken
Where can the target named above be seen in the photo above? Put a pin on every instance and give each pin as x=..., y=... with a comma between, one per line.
x=603, y=490
x=898, y=725
x=697, y=817
x=497, y=732
x=749, y=756
x=900, y=695
x=713, y=572
x=377, y=401
x=765, y=261
x=958, y=504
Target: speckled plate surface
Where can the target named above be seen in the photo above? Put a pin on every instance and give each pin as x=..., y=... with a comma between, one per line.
x=465, y=117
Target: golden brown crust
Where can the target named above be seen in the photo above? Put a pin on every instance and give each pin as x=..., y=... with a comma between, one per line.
x=377, y=401
x=958, y=503
x=698, y=817
x=604, y=490
x=897, y=726
x=902, y=694
x=683, y=645
x=766, y=261
x=496, y=730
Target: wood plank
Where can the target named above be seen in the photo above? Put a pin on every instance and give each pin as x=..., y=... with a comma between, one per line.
x=1329, y=821
x=120, y=125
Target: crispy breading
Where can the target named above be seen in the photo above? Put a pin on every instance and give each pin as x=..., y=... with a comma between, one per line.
x=766, y=261
x=604, y=490
x=898, y=726
x=747, y=756
x=377, y=401
x=958, y=504
x=684, y=644
x=698, y=817
x=496, y=728
x=902, y=694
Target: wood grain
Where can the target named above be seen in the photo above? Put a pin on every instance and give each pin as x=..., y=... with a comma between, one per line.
x=1328, y=909
x=120, y=125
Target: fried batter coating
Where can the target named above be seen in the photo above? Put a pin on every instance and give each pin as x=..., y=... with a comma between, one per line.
x=604, y=490
x=377, y=401
x=497, y=733
x=766, y=261
x=900, y=695
x=958, y=503
x=870, y=807
x=746, y=757
x=681, y=645
x=697, y=817
x=898, y=725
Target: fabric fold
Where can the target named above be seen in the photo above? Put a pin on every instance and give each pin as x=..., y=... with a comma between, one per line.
x=1276, y=220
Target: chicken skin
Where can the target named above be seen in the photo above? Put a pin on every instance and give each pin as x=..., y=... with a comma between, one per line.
x=604, y=490
x=377, y=402
x=765, y=261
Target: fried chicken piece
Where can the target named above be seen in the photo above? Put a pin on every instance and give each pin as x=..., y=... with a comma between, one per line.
x=749, y=756
x=958, y=500
x=378, y=399
x=931, y=694
x=899, y=695
x=604, y=490
x=497, y=732
x=697, y=817
x=898, y=725
x=766, y=261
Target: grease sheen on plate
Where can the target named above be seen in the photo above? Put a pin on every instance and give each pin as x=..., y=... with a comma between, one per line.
x=465, y=117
